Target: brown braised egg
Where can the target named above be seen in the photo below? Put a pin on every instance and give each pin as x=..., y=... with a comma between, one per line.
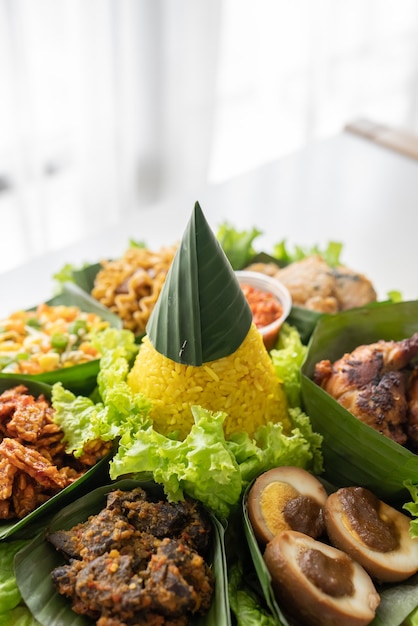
x=286, y=498
x=372, y=532
x=318, y=584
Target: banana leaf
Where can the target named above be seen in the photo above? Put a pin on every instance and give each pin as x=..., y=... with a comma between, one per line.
x=355, y=453
x=85, y=277
x=34, y=563
x=260, y=566
x=35, y=387
x=73, y=295
x=304, y=321
x=201, y=314
x=80, y=379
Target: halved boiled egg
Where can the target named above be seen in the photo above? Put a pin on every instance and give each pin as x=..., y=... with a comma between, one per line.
x=371, y=532
x=286, y=498
x=318, y=584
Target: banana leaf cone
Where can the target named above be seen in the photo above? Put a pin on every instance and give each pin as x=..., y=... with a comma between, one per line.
x=202, y=347
x=201, y=314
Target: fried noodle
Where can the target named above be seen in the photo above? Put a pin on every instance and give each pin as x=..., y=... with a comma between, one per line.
x=130, y=286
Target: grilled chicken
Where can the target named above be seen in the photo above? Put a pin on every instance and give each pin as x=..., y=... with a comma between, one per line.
x=372, y=382
x=412, y=396
x=315, y=285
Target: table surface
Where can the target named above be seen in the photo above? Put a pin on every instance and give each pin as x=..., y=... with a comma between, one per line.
x=344, y=189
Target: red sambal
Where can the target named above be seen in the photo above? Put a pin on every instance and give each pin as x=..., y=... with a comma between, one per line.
x=264, y=306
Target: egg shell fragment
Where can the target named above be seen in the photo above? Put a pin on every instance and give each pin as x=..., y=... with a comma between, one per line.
x=306, y=601
x=270, y=493
x=390, y=566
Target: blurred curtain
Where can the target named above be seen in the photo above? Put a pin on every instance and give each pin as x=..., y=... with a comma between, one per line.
x=107, y=106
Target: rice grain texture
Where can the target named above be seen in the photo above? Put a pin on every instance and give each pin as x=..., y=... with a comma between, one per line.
x=244, y=385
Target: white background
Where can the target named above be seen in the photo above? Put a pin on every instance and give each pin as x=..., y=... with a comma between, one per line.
x=110, y=106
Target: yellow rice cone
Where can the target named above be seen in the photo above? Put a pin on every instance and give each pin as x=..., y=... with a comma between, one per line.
x=244, y=385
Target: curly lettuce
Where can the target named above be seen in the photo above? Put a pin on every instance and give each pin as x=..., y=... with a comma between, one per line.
x=237, y=244
x=12, y=609
x=287, y=357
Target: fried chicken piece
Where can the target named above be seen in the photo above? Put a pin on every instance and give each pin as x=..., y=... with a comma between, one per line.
x=412, y=396
x=328, y=304
x=306, y=279
x=369, y=382
x=94, y=451
x=315, y=285
x=352, y=289
x=270, y=269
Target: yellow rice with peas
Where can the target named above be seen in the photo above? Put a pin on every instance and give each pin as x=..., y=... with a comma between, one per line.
x=244, y=385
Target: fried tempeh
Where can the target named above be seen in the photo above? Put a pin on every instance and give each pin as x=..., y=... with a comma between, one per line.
x=32, y=462
x=29, y=419
x=7, y=474
x=24, y=495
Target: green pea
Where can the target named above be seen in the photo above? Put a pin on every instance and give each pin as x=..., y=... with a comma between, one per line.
x=33, y=322
x=4, y=361
x=59, y=341
x=77, y=327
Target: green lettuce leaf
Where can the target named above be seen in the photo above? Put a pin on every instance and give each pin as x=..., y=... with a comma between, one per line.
x=206, y=465
x=287, y=359
x=412, y=507
x=272, y=448
x=200, y=465
x=331, y=254
x=12, y=609
x=412, y=619
x=83, y=420
x=20, y=616
x=9, y=592
x=237, y=245
x=244, y=602
x=395, y=296
x=398, y=604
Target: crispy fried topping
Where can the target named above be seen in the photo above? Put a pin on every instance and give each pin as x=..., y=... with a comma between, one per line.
x=33, y=463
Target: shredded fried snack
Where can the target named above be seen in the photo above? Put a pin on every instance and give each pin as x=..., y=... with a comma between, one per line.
x=33, y=462
x=130, y=286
